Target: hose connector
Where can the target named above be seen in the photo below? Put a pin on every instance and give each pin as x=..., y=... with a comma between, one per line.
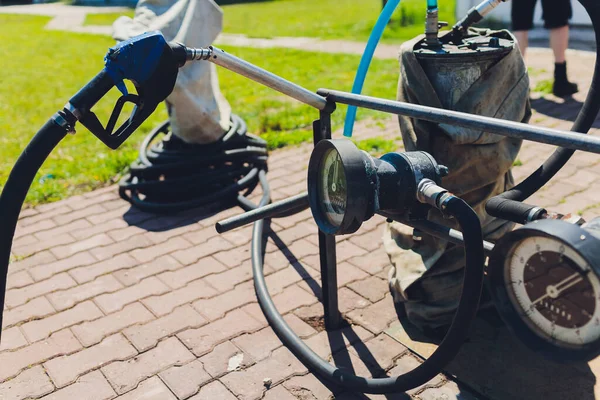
x=202, y=53
x=475, y=15
x=428, y=192
x=432, y=28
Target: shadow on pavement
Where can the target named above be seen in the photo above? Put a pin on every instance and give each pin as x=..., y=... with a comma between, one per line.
x=163, y=222
x=566, y=111
x=338, y=338
x=498, y=366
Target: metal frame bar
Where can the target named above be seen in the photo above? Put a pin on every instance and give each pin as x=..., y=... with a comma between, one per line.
x=567, y=139
x=269, y=79
x=437, y=230
x=298, y=202
x=323, y=97
x=327, y=244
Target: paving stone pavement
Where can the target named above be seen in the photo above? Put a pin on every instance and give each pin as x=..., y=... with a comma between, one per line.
x=105, y=301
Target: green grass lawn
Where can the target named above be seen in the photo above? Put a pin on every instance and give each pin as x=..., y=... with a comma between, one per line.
x=37, y=81
x=326, y=19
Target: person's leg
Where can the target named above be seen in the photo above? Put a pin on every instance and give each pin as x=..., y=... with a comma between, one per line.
x=556, y=18
x=522, y=21
x=522, y=40
x=559, y=41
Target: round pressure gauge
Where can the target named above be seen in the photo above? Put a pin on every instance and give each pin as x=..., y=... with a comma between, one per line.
x=332, y=187
x=545, y=281
x=340, y=190
x=346, y=186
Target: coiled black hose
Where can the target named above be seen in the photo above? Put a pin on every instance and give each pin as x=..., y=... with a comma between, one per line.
x=448, y=348
x=171, y=175
x=508, y=204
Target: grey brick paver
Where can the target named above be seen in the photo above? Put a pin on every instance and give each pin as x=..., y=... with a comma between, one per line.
x=92, y=386
x=216, y=307
x=41, y=328
x=125, y=375
x=375, y=317
x=185, y=380
x=115, y=301
x=41, y=258
x=17, y=297
x=147, y=335
x=162, y=305
x=46, y=270
x=248, y=384
x=204, y=339
x=131, y=276
x=44, y=234
x=150, y=389
x=450, y=390
x=66, y=369
x=35, y=228
x=214, y=390
x=181, y=277
x=28, y=384
x=90, y=272
x=12, y=338
x=409, y=362
x=224, y=358
x=92, y=332
x=36, y=308
x=38, y=246
x=18, y=280
x=60, y=343
x=306, y=386
x=278, y=393
x=63, y=299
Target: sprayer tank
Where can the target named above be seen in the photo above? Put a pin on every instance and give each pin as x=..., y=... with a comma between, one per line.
x=454, y=68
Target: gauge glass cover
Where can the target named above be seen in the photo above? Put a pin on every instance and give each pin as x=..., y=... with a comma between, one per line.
x=555, y=291
x=332, y=188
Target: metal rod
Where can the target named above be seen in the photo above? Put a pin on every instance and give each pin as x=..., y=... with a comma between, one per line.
x=437, y=230
x=567, y=139
x=257, y=74
x=272, y=210
x=329, y=289
x=327, y=245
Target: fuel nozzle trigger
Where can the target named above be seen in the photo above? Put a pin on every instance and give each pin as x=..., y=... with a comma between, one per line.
x=151, y=64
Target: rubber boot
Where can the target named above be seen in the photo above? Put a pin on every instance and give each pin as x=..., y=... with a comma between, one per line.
x=562, y=87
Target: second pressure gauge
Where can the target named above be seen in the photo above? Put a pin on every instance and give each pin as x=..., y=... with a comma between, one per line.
x=545, y=282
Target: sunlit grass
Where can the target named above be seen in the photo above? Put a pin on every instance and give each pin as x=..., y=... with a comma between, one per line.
x=325, y=19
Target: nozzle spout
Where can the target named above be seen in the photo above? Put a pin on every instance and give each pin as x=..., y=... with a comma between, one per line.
x=475, y=15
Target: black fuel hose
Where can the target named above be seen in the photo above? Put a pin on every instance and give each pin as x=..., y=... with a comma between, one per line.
x=448, y=348
x=18, y=183
x=508, y=204
x=171, y=175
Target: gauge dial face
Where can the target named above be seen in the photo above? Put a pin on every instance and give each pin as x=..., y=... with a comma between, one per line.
x=554, y=290
x=332, y=188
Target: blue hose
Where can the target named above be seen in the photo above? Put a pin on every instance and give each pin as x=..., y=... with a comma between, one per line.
x=365, y=61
